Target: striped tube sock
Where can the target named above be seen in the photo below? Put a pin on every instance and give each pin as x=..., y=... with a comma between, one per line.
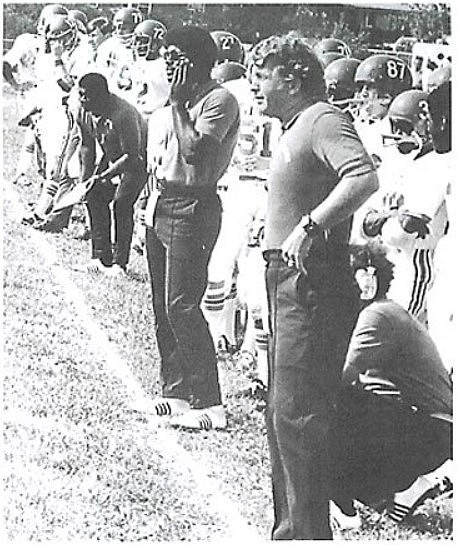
x=261, y=343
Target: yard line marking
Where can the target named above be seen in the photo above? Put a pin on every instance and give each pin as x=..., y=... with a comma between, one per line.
x=166, y=440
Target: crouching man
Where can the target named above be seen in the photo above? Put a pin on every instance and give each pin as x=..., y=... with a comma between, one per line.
x=394, y=414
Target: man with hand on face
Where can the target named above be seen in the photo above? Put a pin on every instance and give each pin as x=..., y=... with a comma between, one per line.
x=190, y=145
x=320, y=174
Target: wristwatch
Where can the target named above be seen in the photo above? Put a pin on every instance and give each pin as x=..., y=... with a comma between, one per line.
x=310, y=226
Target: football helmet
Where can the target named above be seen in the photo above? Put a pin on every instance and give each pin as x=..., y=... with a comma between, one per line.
x=148, y=37
x=408, y=115
x=327, y=58
x=228, y=71
x=387, y=74
x=339, y=77
x=124, y=22
x=80, y=19
x=332, y=45
x=46, y=13
x=229, y=46
x=62, y=28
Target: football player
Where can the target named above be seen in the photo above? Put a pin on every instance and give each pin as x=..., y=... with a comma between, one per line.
x=339, y=76
x=229, y=46
x=62, y=62
x=98, y=30
x=238, y=248
x=414, y=219
x=20, y=71
x=379, y=79
x=332, y=45
x=115, y=55
x=150, y=91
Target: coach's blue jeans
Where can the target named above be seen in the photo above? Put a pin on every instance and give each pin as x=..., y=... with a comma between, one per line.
x=311, y=318
x=178, y=250
x=98, y=202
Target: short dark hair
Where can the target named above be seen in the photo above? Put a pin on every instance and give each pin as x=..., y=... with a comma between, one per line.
x=196, y=43
x=95, y=84
x=373, y=254
x=296, y=59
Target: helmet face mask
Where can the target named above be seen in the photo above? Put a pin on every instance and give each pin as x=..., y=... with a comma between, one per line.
x=63, y=30
x=124, y=22
x=371, y=103
x=409, y=120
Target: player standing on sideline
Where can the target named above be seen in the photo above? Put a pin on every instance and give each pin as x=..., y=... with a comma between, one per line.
x=415, y=218
x=320, y=174
x=63, y=60
x=190, y=144
x=341, y=87
x=150, y=91
x=20, y=71
x=236, y=262
x=115, y=55
x=98, y=31
x=380, y=78
x=118, y=177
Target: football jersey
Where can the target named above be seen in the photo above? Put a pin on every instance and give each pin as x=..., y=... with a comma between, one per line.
x=257, y=134
x=113, y=60
x=150, y=87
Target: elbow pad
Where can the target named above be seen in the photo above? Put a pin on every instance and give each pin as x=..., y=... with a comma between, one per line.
x=373, y=223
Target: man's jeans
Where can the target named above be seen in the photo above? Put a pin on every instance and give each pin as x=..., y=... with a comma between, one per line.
x=311, y=318
x=98, y=202
x=178, y=251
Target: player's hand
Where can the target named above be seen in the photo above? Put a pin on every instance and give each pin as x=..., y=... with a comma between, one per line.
x=393, y=201
x=248, y=162
x=415, y=223
x=296, y=248
x=57, y=48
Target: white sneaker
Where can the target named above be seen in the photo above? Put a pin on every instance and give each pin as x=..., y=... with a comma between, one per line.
x=202, y=419
x=96, y=267
x=170, y=406
x=341, y=521
x=116, y=271
x=407, y=501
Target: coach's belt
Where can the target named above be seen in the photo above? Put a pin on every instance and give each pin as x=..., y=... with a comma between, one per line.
x=247, y=177
x=176, y=189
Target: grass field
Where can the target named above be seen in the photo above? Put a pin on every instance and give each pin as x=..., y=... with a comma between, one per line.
x=83, y=459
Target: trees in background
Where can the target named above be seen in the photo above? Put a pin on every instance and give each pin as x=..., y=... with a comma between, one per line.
x=427, y=22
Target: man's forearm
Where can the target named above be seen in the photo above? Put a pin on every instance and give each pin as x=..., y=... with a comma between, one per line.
x=191, y=141
x=345, y=199
x=8, y=75
x=116, y=168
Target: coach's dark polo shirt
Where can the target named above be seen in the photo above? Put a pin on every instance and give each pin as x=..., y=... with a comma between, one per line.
x=319, y=148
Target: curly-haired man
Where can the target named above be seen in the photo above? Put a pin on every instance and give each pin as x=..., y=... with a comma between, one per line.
x=320, y=174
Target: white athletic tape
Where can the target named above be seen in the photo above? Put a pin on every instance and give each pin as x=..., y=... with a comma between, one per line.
x=165, y=440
